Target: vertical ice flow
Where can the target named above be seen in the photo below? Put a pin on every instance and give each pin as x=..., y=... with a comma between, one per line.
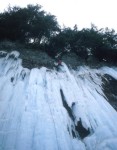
x=42, y=109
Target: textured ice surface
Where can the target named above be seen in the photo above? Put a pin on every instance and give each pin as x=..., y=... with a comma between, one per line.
x=42, y=109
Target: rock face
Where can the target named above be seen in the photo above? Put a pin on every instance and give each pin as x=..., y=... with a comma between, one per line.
x=110, y=90
x=33, y=58
x=45, y=109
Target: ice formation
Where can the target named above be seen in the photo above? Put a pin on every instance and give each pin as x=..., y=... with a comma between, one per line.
x=42, y=109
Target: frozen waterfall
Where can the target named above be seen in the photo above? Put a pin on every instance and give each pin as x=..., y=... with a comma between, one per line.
x=42, y=109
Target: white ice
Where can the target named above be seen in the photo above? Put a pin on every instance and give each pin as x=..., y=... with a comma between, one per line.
x=33, y=116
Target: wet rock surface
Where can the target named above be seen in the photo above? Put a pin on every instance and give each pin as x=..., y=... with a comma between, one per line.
x=36, y=59
x=39, y=59
x=110, y=90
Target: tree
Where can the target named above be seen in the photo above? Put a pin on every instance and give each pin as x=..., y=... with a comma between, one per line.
x=27, y=24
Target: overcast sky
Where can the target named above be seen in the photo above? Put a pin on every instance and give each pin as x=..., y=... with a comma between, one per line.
x=103, y=13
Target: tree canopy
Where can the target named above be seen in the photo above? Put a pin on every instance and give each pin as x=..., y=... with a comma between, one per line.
x=33, y=25
x=27, y=24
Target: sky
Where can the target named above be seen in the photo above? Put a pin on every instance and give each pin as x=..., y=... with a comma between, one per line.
x=102, y=13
